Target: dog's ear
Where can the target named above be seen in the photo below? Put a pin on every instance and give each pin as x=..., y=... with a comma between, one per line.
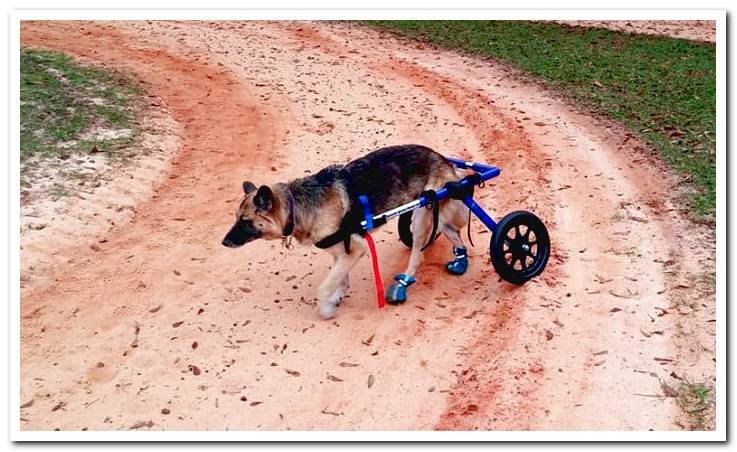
x=248, y=187
x=263, y=198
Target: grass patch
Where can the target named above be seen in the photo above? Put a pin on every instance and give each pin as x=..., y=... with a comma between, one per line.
x=71, y=108
x=662, y=89
x=696, y=400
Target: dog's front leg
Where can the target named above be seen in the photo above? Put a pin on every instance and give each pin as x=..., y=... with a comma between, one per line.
x=333, y=288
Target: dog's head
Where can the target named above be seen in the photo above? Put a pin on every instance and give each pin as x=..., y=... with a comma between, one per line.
x=256, y=217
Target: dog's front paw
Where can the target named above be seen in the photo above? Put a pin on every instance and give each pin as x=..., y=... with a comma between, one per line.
x=327, y=310
x=397, y=293
x=337, y=297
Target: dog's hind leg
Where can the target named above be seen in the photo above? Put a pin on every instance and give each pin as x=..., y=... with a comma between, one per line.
x=332, y=289
x=421, y=228
x=454, y=216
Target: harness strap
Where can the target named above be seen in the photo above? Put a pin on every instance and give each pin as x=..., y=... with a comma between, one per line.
x=377, y=274
x=456, y=190
x=332, y=239
x=349, y=224
x=433, y=197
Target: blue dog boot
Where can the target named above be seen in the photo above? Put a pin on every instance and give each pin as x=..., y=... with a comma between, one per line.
x=397, y=293
x=459, y=265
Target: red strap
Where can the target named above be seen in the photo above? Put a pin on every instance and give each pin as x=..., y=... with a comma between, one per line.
x=377, y=273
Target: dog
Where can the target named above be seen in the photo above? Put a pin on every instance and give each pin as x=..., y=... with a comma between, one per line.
x=315, y=209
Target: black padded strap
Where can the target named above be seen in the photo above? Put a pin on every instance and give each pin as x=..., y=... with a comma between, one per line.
x=350, y=224
x=460, y=191
x=331, y=240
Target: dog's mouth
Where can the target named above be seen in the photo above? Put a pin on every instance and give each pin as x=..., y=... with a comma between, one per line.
x=241, y=233
x=231, y=244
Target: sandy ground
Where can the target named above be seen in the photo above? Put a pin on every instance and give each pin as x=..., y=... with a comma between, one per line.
x=695, y=30
x=160, y=327
x=52, y=228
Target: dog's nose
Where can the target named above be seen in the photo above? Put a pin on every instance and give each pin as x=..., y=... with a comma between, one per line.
x=229, y=243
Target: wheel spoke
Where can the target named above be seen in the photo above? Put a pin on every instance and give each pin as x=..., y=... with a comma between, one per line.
x=507, y=242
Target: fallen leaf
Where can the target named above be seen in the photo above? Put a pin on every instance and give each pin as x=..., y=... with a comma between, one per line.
x=369, y=340
x=141, y=424
x=332, y=413
x=333, y=378
x=293, y=373
x=59, y=406
x=370, y=380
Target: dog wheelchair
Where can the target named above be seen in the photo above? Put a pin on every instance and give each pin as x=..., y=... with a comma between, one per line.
x=519, y=247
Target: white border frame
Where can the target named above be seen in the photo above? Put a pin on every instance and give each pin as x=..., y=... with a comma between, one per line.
x=14, y=218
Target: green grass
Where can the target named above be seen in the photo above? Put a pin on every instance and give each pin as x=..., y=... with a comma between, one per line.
x=662, y=89
x=696, y=400
x=64, y=102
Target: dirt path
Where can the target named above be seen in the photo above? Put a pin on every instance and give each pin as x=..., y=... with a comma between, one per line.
x=695, y=30
x=160, y=323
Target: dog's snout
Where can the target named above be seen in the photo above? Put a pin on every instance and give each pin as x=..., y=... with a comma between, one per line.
x=241, y=233
x=229, y=243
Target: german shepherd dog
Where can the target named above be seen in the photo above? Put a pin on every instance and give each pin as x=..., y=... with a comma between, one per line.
x=314, y=207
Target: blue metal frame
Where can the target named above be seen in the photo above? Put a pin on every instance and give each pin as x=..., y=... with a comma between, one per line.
x=485, y=173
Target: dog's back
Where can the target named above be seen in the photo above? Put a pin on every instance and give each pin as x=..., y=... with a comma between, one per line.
x=395, y=175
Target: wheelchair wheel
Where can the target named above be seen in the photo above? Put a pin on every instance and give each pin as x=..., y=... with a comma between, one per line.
x=520, y=247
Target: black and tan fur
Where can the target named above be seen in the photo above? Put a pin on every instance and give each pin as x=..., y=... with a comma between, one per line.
x=389, y=177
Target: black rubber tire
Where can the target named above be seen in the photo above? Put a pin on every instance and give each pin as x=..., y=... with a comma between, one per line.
x=529, y=254
x=405, y=232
